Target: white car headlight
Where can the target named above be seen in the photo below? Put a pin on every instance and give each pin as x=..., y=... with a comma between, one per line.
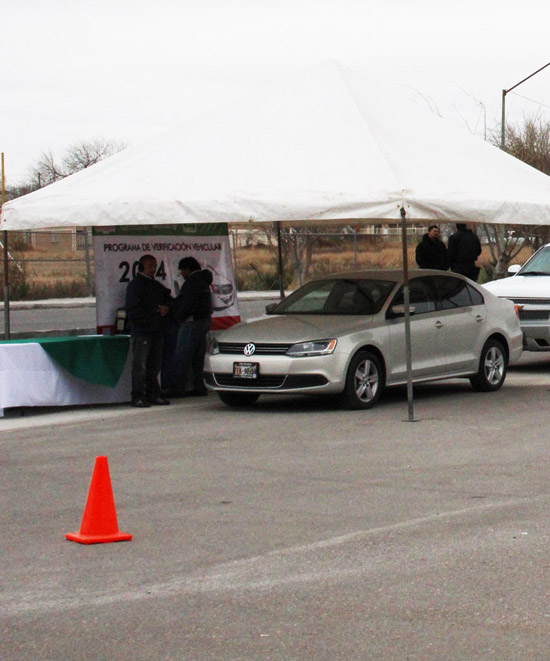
x=313, y=348
x=213, y=347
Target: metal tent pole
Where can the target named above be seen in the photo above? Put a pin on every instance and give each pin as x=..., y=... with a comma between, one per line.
x=406, y=301
x=6, y=270
x=280, y=260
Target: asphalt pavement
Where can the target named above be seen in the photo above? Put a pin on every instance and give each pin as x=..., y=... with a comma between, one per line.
x=290, y=530
x=77, y=316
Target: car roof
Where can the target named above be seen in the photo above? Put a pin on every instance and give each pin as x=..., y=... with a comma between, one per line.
x=394, y=275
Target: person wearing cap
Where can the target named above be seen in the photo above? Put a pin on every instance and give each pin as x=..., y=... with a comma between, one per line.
x=464, y=249
x=431, y=252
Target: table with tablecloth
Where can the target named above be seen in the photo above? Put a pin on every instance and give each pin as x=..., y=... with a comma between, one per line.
x=64, y=371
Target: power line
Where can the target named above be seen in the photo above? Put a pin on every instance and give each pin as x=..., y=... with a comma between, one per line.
x=532, y=100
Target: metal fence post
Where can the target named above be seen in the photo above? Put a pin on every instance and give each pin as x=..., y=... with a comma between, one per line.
x=234, y=237
x=88, y=265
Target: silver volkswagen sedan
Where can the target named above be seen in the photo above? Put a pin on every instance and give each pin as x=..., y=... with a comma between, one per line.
x=344, y=335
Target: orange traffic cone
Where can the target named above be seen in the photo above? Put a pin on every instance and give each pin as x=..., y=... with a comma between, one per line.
x=99, y=524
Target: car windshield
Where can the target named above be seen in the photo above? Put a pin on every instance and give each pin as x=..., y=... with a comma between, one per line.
x=539, y=264
x=338, y=296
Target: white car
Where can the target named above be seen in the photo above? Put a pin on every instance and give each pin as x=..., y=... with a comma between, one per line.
x=344, y=335
x=529, y=289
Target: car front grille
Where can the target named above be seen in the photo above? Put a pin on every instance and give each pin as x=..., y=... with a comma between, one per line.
x=533, y=315
x=263, y=381
x=267, y=381
x=531, y=301
x=265, y=349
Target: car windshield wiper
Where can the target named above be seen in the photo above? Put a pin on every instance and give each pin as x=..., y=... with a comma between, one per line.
x=534, y=273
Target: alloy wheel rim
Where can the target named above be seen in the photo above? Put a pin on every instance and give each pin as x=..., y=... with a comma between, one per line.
x=494, y=365
x=366, y=381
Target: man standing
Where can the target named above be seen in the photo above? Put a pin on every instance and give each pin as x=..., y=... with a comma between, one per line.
x=464, y=249
x=192, y=310
x=147, y=302
x=431, y=252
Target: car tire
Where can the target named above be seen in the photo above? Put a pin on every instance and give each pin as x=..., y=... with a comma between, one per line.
x=238, y=398
x=364, y=382
x=493, y=365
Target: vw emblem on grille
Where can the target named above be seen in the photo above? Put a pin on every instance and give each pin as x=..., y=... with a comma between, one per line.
x=249, y=349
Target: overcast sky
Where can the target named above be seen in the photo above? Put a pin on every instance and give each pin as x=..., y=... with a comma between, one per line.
x=128, y=69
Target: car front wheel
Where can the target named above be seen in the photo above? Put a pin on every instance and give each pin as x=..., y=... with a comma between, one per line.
x=492, y=367
x=238, y=398
x=364, y=382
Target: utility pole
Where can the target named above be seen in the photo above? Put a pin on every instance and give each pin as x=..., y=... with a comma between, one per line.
x=503, y=107
x=500, y=229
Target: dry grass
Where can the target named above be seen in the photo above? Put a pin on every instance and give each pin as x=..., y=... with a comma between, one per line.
x=50, y=271
x=57, y=271
x=257, y=266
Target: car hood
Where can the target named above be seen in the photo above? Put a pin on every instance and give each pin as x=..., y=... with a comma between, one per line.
x=293, y=328
x=521, y=286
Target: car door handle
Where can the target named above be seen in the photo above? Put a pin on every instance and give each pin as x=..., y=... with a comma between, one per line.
x=479, y=318
x=439, y=324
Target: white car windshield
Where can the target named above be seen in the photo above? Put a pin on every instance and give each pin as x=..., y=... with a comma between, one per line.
x=539, y=264
x=338, y=296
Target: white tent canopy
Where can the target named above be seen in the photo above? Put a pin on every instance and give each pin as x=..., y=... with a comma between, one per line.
x=323, y=145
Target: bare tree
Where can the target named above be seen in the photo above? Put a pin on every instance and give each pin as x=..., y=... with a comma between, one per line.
x=78, y=157
x=530, y=143
x=17, y=191
x=504, y=244
x=299, y=248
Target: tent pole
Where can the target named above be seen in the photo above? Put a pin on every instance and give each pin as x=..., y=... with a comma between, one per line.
x=5, y=262
x=280, y=261
x=406, y=301
x=5, y=257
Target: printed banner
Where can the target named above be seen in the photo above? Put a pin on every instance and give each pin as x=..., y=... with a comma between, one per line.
x=118, y=249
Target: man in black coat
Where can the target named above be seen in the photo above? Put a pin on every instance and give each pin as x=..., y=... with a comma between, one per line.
x=431, y=252
x=192, y=310
x=147, y=303
x=464, y=249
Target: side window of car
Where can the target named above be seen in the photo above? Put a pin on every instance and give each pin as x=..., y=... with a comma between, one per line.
x=476, y=296
x=453, y=293
x=421, y=296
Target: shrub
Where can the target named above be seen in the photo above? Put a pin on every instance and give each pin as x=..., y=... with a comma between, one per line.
x=18, y=281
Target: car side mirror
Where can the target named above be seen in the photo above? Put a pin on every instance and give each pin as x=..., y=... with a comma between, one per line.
x=514, y=268
x=399, y=310
x=270, y=307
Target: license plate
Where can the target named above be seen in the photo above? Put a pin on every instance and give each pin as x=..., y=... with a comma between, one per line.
x=246, y=370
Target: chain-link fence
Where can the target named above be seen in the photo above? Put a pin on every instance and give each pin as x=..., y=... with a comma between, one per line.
x=60, y=263
x=312, y=251
x=49, y=264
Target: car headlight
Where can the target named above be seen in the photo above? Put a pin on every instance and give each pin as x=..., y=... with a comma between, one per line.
x=221, y=290
x=313, y=348
x=213, y=347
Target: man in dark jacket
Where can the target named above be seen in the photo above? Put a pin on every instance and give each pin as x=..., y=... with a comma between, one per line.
x=431, y=252
x=193, y=311
x=147, y=303
x=464, y=249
